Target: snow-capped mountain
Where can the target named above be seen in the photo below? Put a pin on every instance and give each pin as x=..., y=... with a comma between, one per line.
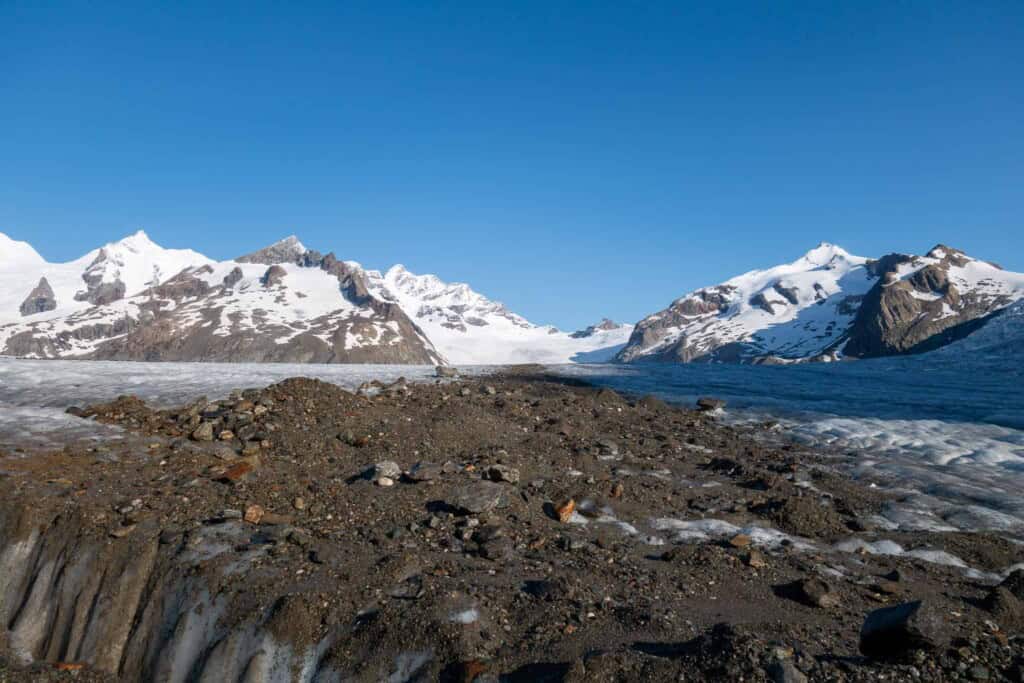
x=133, y=299
x=468, y=328
x=829, y=305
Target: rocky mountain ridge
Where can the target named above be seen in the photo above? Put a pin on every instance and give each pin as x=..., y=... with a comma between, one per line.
x=829, y=305
x=134, y=300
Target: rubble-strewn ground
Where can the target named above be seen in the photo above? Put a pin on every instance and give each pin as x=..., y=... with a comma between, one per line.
x=532, y=530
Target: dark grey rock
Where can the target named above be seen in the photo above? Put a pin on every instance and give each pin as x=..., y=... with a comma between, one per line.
x=816, y=593
x=503, y=473
x=891, y=632
x=204, y=432
x=274, y=276
x=39, y=300
x=785, y=671
x=288, y=250
x=233, y=278
x=424, y=471
x=1006, y=608
x=708, y=403
x=477, y=498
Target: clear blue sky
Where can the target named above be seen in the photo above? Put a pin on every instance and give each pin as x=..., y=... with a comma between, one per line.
x=571, y=159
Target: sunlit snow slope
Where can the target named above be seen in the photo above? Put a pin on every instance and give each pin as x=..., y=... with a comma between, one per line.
x=468, y=328
x=828, y=305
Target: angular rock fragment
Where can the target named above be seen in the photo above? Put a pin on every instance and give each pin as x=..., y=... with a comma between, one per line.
x=503, y=473
x=424, y=471
x=891, y=632
x=39, y=300
x=707, y=403
x=477, y=498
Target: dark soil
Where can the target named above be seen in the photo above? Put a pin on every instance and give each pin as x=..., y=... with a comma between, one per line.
x=552, y=600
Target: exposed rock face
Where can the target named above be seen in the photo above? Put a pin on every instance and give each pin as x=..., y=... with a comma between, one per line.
x=100, y=290
x=39, y=300
x=605, y=325
x=273, y=276
x=288, y=250
x=233, y=278
x=923, y=309
x=829, y=305
x=317, y=309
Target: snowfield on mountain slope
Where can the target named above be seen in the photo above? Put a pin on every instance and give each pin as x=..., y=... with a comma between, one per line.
x=281, y=296
x=826, y=305
x=134, y=261
x=793, y=310
x=470, y=329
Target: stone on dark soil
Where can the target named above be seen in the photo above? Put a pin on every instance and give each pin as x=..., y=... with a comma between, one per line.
x=387, y=468
x=1015, y=583
x=709, y=403
x=1006, y=608
x=565, y=510
x=204, y=432
x=739, y=541
x=424, y=471
x=806, y=516
x=239, y=471
x=784, y=671
x=498, y=548
x=816, y=593
x=253, y=514
x=275, y=519
x=476, y=498
x=503, y=473
x=445, y=371
x=755, y=560
x=892, y=632
x=223, y=451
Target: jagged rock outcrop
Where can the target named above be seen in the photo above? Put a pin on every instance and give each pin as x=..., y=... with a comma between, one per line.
x=233, y=278
x=304, y=308
x=922, y=304
x=605, y=325
x=829, y=305
x=288, y=250
x=39, y=300
x=274, y=276
x=280, y=303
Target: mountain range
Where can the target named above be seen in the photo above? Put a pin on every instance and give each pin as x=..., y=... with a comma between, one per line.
x=829, y=305
x=135, y=300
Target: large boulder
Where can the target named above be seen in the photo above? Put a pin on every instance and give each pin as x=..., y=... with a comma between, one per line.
x=39, y=300
x=892, y=632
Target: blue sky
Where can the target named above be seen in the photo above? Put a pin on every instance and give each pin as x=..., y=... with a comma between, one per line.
x=574, y=160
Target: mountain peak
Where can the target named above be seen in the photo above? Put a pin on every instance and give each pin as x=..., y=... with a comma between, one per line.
x=824, y=253
x=137, y=241
x=287, y=250
x=941, y=251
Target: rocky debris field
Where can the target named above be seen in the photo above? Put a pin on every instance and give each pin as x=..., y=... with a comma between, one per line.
x=511, y=528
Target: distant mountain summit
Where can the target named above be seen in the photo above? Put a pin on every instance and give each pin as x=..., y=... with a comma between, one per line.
x=469, y=328
x=135, y=300
x=829, y=305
